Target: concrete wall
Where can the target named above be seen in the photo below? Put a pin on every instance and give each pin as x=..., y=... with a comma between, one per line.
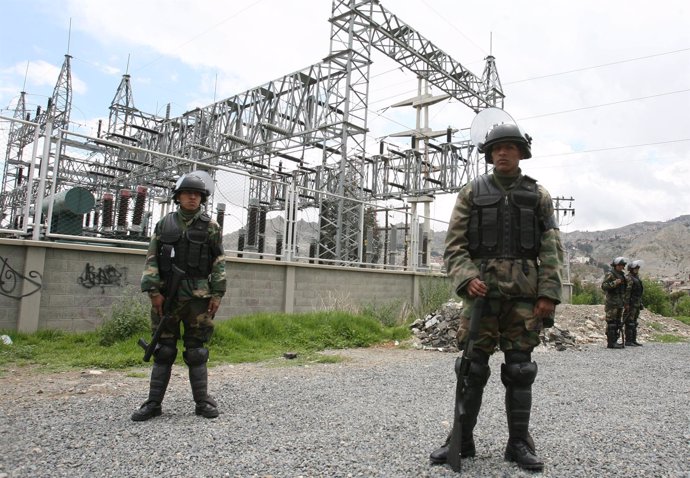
x=65, y=286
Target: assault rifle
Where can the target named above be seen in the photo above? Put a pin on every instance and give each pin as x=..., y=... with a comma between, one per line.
x=171, y=291
x=462, y=370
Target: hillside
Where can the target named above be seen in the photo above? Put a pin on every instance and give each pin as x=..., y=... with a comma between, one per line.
x=663, y=246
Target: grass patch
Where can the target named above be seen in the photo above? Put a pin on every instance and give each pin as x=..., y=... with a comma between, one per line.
x=684, y=319
x=241, y=339
x=656, y=326
x=668, y=338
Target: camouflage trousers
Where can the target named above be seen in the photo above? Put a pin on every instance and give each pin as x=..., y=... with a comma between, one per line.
x=506, y=324
x=613, y=314
x=632, y=315
x=192, y=315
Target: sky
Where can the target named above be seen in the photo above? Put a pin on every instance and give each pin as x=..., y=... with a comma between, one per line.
x=603, y=87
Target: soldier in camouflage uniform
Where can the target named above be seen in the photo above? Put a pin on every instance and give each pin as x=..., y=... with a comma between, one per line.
x=614, y=286
x=506, y=220
x=633, y=299
x=191, y=240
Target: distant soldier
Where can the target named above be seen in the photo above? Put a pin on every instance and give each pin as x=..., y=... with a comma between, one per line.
x=614, y=285
x=506, y=220
x=633, y=300
x=190, y=240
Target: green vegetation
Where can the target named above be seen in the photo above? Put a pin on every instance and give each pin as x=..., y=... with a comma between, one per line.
x=681, y=306
x=656, y=299
x=241, y=339
x=587, y=294
x=656, y=326
x=667, y=338
x=129, y=317
x=433, y=293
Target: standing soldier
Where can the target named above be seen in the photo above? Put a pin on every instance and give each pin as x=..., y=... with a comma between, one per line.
x=505, y=220
x=190, y=240
x=633, y=300
x=614, y=286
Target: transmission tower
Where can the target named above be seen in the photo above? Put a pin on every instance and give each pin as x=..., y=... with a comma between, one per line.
x=278, y=129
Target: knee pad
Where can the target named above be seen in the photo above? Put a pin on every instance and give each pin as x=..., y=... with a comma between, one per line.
x=195, y=356
x=165, y=352
x=479, y=374
x=518, y=374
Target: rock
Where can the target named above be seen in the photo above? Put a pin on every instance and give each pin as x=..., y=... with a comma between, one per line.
x=575, y=325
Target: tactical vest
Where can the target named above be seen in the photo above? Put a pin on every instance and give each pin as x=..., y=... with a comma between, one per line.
x=504, y=224
x=187, y=249
x=636, y=289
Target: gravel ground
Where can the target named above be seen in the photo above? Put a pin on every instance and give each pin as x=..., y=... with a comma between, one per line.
x=597, y=412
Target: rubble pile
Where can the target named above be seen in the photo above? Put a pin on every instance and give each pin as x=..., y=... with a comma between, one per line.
x=575, y=325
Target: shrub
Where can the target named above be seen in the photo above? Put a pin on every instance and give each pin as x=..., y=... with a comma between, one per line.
x=433, y=293
x=682, y=307
x=129, y=316
x=655, y=298
x=587, y=293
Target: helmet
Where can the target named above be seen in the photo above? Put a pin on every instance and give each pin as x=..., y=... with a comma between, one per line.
x=634, y=265
x=506, y=132
x=191, y=182
x=619, y=261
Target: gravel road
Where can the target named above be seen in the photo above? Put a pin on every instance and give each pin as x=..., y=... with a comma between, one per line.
x=597, y=412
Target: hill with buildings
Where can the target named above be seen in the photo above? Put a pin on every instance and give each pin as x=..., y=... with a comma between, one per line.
x=663, y=246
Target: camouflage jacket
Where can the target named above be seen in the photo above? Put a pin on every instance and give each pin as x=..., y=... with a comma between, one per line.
x=214, y=286
x=633, y=290
x=507, y=278
x=615, y=293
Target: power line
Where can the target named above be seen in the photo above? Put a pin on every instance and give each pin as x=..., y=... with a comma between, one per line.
x=597, y=66
x=606, y=104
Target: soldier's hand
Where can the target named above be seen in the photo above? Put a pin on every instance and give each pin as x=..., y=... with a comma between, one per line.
x=477, y=288
x=544, y=308
x=618, y=282
x=157, y=304
x=213, y=306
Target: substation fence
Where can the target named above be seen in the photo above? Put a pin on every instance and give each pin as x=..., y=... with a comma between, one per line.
x=76, y=188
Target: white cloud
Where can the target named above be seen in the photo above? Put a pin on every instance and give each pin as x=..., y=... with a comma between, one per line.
x=604, y=79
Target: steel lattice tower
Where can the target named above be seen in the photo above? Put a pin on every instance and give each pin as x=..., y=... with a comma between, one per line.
x=275, y=131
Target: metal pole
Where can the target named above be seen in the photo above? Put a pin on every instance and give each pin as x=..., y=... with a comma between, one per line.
x=40, y=191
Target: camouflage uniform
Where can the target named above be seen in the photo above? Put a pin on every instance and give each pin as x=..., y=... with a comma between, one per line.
x=515, y=282
x=193, y=294
x=196, y=244
x=633, y=298
x=614, y=305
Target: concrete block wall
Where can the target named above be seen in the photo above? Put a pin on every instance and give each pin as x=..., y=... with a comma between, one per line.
x=319, y=288
x=12, y=284
x=253, y=286
x=77, y=284
x=81, y=285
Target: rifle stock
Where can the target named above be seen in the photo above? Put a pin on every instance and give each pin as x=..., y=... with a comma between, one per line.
x=174, y=285
x=462, y=369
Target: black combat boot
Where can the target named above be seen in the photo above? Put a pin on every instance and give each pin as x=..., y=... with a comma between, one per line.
x=612, y=336
x=163, y=359
x=160, y=377
x=196, y=360
x=517, y=375
x=629, y=335
x=634, y=336
x=472, y=402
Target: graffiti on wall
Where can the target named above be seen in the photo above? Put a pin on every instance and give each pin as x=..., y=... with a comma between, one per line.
x=10, y=280
x=103, y=277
